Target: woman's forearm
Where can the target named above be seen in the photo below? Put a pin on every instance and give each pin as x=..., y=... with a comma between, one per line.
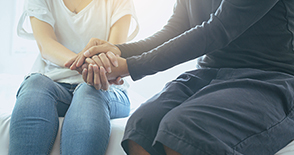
x=50, y=48
x=54, y=52
x=119, y=30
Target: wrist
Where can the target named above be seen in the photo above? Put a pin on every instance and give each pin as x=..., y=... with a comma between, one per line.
x=120, y=71
x=118, y=50
x=124, y=69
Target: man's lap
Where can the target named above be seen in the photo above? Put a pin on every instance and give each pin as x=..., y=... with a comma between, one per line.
x=218, y=111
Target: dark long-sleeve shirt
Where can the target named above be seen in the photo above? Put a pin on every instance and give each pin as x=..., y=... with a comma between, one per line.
x=222, y=34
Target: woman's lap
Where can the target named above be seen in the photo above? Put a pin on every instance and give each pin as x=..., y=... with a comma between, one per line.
x=84, y=106
x=234, y=110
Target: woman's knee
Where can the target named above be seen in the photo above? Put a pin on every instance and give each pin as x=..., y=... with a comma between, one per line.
x=86, y=91
x=36, y=92
x=35, y=83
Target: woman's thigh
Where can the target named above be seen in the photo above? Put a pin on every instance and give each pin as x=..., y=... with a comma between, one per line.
x=34, y=121
x=39, y=95
x=91, y=102
x=86, y=126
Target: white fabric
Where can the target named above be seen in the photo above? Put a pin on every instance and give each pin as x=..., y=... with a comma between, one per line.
x=74, y=30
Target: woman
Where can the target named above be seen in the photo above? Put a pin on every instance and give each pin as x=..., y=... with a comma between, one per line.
x=62, y=29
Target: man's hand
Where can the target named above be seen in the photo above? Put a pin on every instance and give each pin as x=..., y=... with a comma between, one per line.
x=106, y=52
x=80, y=58
x=96, y=59
x=100, y=79
x=94, y=47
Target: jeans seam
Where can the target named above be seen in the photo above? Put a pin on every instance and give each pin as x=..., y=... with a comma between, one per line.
x=56, y=132
x=61, y=139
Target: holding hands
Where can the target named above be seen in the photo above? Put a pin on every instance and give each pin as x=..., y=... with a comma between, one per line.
x=100, y=64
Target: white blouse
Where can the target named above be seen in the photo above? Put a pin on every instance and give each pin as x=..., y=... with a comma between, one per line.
x=74, y=31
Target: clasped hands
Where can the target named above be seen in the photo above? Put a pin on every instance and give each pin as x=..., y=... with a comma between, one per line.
x=100, y=64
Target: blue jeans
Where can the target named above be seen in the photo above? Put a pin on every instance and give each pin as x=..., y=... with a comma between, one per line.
x=87, y=113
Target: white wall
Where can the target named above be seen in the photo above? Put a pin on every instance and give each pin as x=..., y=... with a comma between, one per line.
x=14, y=55
x=6, y=24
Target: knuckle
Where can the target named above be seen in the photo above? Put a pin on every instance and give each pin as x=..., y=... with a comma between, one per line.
x=94, y=48
x=111, y=54
x=95, y=57
x=102, y=55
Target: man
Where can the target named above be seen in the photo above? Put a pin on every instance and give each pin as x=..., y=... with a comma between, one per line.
x=239, y=100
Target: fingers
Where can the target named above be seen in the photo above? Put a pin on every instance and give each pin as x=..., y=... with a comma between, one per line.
x=96, y=77
x=105, y=61
x=80, y=61
x=112, y=57
x=92, y=51
x=103, y=78
x=97, y=60
x=102, y=48
x=90, y=61
x=81, y=58
x=69, y=62
x=90, y=75
x=85, y=74
x=95, y=73
x=117, y=81
x=73, y=65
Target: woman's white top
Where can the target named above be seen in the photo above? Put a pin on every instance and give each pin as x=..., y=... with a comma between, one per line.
x=74, y=31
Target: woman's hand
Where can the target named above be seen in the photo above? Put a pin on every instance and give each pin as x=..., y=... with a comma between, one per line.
x=93, y=47
x=100, y=79
x=79, y=59
x=95, y=73
x=107, y=60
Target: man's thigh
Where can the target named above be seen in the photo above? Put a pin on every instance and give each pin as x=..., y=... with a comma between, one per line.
x=145, y=120
x=225, y=115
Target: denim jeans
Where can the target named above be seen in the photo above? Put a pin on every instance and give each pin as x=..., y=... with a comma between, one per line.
x=87, y=113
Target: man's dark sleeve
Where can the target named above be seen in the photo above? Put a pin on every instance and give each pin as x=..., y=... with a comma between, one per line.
x=232, y=18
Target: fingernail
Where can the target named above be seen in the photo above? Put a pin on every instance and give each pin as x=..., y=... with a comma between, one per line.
x=90, y=66
x=87, y=53
x=95, y=68
x=102, y=69
x=115, y=63
x=108, y=69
